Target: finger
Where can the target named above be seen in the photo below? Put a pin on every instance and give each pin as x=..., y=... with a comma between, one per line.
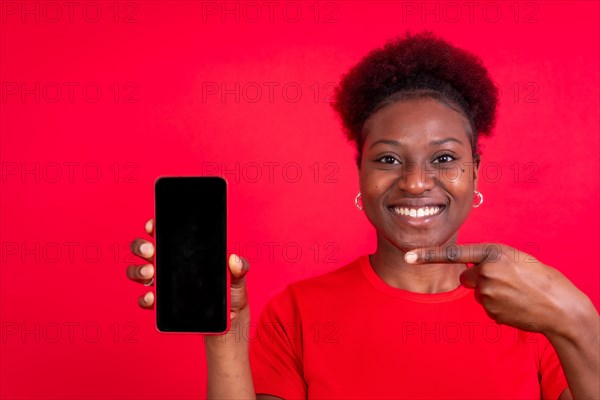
x=146, y=301
x=468, y=278
x=477, y=295
x=239, y=267
x=141, y=273
x=149, y=227
x=143, y=248
x=475, y=254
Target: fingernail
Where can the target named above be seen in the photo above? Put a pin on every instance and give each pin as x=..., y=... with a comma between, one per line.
x=235, y=259
x=147, y=297
x=410, y=257
x=146, y=271
x=146, y=248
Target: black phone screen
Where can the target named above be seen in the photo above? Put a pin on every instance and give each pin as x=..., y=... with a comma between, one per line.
x=191, y=264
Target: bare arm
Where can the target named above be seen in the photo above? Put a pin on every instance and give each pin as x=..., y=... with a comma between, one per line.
x=577, y=344
x=517, y=290
x=227, y=356
x=229, y=374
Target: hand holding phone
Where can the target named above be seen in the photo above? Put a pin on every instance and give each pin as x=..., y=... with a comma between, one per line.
x=144, y=249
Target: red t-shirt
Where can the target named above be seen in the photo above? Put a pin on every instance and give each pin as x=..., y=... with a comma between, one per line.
x=348, y=335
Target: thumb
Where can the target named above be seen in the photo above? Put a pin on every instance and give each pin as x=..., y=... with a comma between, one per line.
x=239, y=267
x=468, y=278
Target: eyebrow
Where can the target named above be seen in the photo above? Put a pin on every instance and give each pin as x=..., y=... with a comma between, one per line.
x=384, y=141
x=442, y=141
x=432, y=143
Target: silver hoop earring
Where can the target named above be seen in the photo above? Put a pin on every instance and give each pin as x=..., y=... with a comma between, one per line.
x=480, y=202
x=356, y=201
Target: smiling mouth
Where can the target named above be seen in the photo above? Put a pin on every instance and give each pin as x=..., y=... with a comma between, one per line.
x=417, y=212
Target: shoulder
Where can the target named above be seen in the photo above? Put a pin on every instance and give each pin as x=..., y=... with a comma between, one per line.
x=348, y=274
x=319, y=289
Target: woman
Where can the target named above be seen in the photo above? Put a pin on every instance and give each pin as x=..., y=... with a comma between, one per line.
x=422, y=317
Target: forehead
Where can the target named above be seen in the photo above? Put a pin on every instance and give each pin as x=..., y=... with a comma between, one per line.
x=416, y=120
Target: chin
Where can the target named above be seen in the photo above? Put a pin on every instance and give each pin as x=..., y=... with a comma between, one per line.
x=416, y=242
x=408, y=246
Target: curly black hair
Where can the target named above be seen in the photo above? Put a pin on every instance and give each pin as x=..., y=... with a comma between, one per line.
x=414, y=66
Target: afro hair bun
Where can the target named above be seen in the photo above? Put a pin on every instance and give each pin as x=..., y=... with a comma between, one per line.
x=416, y=62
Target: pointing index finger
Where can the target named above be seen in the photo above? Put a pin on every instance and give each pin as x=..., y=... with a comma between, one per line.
x=453, y=253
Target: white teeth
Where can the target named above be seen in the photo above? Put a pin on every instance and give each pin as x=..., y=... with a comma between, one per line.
x=417, y=212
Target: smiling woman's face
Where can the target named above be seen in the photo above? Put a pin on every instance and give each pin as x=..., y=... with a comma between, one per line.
x=417, y=173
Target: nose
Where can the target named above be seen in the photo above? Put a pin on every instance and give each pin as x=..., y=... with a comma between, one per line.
x=415, y=178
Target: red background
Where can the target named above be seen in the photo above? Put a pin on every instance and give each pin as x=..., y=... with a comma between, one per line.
x=171, y=88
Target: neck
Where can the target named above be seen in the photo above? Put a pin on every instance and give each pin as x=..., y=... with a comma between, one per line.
x=388, y=263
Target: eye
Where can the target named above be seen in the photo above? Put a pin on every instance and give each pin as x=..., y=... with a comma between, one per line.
x=387, y=159
x=444, y=158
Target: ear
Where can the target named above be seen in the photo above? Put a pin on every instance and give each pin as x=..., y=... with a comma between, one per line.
x=475, y=177
x=359, y=170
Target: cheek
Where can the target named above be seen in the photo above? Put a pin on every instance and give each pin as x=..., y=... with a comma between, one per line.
x=374, y=184
x=460, y=185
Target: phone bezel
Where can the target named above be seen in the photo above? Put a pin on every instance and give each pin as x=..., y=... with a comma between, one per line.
x=226, y=266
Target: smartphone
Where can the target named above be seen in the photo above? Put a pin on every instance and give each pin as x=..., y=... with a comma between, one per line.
x=192, y=277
